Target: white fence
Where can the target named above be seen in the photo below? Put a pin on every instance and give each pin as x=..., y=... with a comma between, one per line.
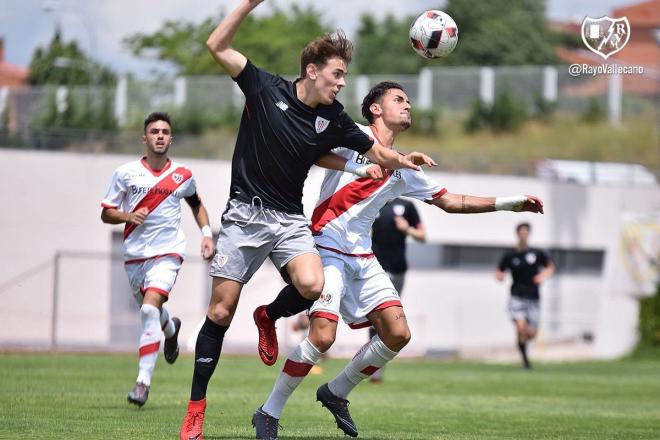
x=452, y=88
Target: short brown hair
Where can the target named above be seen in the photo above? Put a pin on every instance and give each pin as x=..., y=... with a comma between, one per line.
x=156, y=116
x=319, y=51
x=375, y=95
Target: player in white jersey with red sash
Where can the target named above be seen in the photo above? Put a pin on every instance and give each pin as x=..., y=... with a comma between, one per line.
x=146, y=195
x=356, y=287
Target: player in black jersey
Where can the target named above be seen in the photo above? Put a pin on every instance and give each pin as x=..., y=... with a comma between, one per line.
x=529, y=268
x=286, y=127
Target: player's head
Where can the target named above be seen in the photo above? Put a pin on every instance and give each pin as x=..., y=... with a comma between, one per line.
x=157, y=133
x=324, y=62
x=522, y=231
x=388, y=101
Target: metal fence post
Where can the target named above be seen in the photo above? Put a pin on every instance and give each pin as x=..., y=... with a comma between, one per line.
x=121, y=100
x=180, y=91
x=550, y=83
x=361, y=89
x=53, y=320
x=614, y=100
x=487, y=85
x=425, y=89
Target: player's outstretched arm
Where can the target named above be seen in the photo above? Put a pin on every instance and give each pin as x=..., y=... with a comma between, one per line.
x=219, y=42
x=333, y=161
x=114, y=216
x=202, y=219
x=466, y=204
x=393, y=160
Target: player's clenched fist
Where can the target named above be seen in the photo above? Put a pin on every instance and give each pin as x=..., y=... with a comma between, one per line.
x=138, y=217
x=532, y=204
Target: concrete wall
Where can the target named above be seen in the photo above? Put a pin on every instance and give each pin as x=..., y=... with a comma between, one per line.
x=52, y=205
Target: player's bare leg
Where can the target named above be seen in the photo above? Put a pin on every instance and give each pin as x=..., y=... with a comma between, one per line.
x=525, y=334
x=392, y=335
x=306, y=273
x=391, y=326
x=225, y=294
x=152, y=303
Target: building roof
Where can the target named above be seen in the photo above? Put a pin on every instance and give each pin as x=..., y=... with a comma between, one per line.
x=11, y=74
x=641, y=14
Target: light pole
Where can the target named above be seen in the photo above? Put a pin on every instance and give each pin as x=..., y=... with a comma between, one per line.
x=53, y=7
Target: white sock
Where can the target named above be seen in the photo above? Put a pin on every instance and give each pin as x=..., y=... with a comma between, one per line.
x=372, y=356
x=149, y=342
x=296, y=367
x=166, y=323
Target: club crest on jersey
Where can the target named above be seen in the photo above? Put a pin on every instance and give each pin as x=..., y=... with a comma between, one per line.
x=326, y=298
x=530, y=257
x=178, y=178
x=321, y=124
x=221, y=260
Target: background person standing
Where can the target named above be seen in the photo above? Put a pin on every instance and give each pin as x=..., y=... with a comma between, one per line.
x=529, y=268
x=397, y=220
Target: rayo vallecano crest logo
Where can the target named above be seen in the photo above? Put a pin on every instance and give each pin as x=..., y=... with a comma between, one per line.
x=321, y=124
x=605, y=35
x=178, y=178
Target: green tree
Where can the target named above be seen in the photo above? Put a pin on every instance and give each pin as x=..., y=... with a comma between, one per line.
x=273, y=42
x=65, y=64
x=384, y=47
x=76, y=68
x=499, y=32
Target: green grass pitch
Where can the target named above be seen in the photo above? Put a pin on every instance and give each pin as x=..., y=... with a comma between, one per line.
x=53, y=396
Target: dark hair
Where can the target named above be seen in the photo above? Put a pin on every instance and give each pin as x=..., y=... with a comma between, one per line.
x=319, y=51
x=523, y=225
x=156, y=116
x=375, y=94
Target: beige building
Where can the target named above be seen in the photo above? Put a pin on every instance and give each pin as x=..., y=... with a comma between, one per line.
x=62, y=282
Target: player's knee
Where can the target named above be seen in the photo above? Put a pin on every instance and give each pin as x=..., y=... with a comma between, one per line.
x=311, y=287
x=400, y=338
x=322, y=337
x=220, y=314
x=324, y=342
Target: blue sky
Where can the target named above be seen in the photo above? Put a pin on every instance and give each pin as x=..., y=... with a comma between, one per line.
x=99, y=26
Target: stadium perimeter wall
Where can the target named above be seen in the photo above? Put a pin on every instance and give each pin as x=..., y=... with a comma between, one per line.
x=62, y=283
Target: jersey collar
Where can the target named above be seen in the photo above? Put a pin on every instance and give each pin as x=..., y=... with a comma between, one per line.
x=156, y=173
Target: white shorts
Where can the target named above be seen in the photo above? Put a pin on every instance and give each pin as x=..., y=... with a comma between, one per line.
x=157, y=274
x=354, y=287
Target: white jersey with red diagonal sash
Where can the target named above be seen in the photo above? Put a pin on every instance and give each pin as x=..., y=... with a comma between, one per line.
x=349, y=204
x=136, y=185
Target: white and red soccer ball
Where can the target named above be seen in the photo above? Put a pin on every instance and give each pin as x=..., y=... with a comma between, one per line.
x=434, y=34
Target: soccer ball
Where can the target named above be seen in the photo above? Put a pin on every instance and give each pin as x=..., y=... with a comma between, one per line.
x=434, y=34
